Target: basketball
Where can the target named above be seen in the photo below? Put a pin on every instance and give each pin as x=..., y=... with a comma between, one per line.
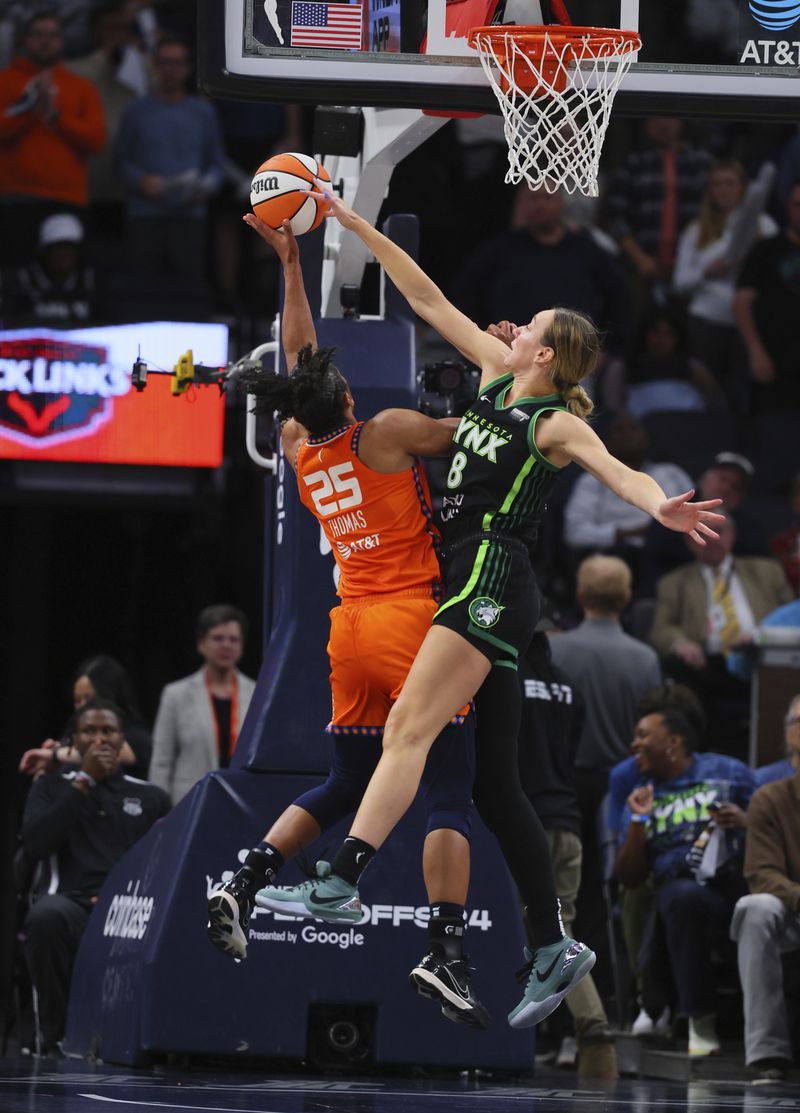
x=279, y=191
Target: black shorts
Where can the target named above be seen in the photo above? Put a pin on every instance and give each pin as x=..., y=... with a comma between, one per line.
x=491, y=596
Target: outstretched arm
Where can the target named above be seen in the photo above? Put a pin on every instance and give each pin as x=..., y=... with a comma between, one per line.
x=297, y=324
x=565, y=437
x=422, y=294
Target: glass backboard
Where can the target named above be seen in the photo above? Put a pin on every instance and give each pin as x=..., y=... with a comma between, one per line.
x=736, y=58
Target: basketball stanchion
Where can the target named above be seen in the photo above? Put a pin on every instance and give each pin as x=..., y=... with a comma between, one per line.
x=555, y=86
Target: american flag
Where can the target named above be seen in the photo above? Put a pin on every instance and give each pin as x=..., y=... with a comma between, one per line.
x=333, y=25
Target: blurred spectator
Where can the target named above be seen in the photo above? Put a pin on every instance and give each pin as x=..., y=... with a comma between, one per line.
x=171, y=159
x=684, y=823
x=595, y=518
x=785, y=546
x=766, y=306
x=710, y=252
x=83, y=821
x=727, y=478
x=741, y=662
x=789, y=765
x=118, y=67
x=652, y=196
x=199, y=717
x=553, y=714
x=611, y=670
x=541, y=262
x=703, y=611
x=51, y=121
x=57, y=287
x=766, y=924
x=658, y=372
x=98, y=677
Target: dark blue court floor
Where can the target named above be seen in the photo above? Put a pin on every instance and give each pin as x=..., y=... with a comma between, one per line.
x=72, y=1086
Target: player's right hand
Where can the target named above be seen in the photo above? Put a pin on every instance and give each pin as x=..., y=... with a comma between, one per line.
x=281, y=240
x=346, y=216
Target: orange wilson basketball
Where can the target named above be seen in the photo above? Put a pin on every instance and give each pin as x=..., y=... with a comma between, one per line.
x=279, y=191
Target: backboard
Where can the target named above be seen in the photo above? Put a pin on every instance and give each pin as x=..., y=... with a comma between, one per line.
x=729, y=58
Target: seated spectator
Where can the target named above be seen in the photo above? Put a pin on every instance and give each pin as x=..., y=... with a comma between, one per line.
x=789, y=765
x=553, y=713
x=766, y=924
x=55, y=289
x=541, y=262
x=171, y=158
x=684, y=823
x=612, y=671
x=51, y=121
x=703, y=611
x=710, y=250
x=785, y=546
x=727, y=478
x=86, y=819
x=659, y=371
x=654, y=1012
x=597, y=519
x=199, y=717
x=97, y=677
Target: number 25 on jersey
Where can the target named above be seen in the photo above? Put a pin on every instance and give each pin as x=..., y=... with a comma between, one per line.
x=326, y=485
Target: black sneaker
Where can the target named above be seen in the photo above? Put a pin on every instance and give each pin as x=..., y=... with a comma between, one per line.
x=768, y=1072
x=229, y=908
x=448, y=983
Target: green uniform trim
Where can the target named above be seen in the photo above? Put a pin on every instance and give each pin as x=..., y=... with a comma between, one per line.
x=512, y=494
x=535, y=452
x=501, y=664
x=500, y=403
x=483, y=550
x=509, y=649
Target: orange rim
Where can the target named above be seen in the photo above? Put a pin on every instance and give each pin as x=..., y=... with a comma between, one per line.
x=531, y=38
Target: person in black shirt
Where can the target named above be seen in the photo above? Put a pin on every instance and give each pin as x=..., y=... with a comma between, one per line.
x=78, y=825
x=553, y=713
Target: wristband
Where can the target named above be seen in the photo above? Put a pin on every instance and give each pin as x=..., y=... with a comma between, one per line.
x=85, y=778
x=640, y=819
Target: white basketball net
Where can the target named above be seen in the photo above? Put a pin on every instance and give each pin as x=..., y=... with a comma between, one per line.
x=555, y=135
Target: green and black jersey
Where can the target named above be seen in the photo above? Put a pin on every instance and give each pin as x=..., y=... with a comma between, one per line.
x=498, y=480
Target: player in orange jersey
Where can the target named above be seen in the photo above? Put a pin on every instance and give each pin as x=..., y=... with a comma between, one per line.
x=364, y=484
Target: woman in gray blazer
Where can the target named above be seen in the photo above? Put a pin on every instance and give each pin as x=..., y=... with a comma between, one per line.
x=199, y=717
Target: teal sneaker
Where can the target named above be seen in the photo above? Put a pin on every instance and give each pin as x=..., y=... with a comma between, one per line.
x=324, y=897
x=549, y=975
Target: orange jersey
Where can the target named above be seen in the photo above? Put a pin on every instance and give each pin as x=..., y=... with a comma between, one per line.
x=379, y=526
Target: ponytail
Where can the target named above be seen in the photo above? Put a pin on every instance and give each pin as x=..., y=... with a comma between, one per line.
x=576, y=345
x=314, y=393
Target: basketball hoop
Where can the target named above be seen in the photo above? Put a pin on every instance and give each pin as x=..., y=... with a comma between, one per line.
x=555, y=86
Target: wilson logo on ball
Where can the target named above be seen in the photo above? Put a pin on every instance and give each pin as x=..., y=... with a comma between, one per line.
x=281, y=189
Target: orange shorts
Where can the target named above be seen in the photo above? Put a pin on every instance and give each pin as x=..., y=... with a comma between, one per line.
x=372, y=644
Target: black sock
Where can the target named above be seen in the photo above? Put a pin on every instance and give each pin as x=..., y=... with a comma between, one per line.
x=446, y=928
x=351, y=859
x=261, y=866
x=540, y=939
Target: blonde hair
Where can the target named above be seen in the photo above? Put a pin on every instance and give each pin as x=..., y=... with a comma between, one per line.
x=711, y=219
x=604, y=584
x=575, y=341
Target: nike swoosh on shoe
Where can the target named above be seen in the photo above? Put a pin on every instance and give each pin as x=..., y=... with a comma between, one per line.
x=550, y=968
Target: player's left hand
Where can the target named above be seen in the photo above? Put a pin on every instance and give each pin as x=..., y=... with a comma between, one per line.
x=281, y=240
x=694, y=518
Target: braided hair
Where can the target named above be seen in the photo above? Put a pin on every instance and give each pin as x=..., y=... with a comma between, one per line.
x=314, y=393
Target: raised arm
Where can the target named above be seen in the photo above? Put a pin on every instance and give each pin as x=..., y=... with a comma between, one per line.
x=423, y=295
x=565, y=437
x=297, y=323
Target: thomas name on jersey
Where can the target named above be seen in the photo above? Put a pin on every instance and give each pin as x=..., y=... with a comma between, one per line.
x=347, y=523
